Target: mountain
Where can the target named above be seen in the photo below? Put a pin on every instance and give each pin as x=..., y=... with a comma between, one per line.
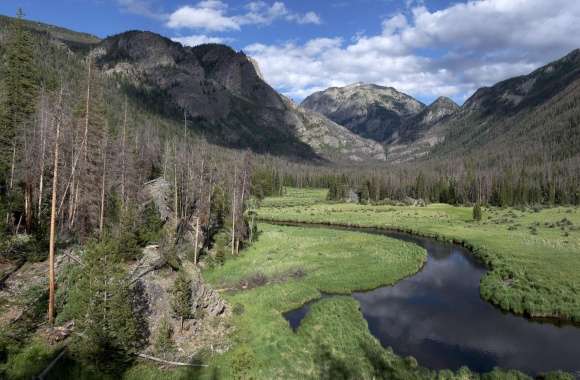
x=75, y=41
x=420, y=133
x=529, y=115
x=224, y=96
x=368, y=110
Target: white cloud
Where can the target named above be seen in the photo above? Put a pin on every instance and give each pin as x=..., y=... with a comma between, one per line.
x=214, y=15
x=207, y=15
x=199, y=39
x=449, y=52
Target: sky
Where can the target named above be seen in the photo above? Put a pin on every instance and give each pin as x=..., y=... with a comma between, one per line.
x=425, y=48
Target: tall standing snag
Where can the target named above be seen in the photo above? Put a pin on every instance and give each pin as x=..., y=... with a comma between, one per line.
x=51, y=249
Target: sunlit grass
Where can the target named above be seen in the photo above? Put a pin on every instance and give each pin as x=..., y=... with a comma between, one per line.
x=534, y=255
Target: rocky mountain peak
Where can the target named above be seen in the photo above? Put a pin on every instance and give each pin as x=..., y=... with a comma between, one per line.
x=444, y=102
x=370, y=110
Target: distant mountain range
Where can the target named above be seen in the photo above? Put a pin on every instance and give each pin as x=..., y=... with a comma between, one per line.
x=226, y=100
x=519, y=116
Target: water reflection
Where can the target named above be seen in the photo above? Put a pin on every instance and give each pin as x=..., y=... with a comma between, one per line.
x=438, y=317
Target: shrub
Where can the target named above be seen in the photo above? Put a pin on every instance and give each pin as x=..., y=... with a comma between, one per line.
x=477, y=212
x=238, y=309
x=164, y=338
x=29, y=361
x=181, y=300
x=243, y=362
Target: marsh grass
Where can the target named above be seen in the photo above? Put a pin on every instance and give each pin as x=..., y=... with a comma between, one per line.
x=533, y=254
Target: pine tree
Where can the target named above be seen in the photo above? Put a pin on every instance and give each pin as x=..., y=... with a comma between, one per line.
x=20, y=82
x=100, y=304
x=181, y=301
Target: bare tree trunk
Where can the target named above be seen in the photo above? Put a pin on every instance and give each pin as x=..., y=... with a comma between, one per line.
x=12, y=166
x=28, y=213
x=42, y=155
x=234, y=213
x=175, y=197
x=124, y=158
x=11, y=184
x=82, y=150
x=52, y=240
x=196, y=240
x=103, y=183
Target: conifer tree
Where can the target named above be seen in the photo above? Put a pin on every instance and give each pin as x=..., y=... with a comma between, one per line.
x=20, y=82
x=100, y=304
x=181, y=301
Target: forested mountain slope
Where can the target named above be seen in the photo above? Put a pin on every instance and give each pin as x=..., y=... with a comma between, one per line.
x=535, y=115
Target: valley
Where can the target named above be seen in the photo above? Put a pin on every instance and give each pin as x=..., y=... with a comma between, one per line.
x=167, y=213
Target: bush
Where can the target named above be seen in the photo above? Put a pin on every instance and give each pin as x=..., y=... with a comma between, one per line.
x=238, y=309
x=164, y=338
x=29, y=361
x=477, y=212
x=243, y=362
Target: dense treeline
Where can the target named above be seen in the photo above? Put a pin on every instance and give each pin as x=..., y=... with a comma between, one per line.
x=515, y=183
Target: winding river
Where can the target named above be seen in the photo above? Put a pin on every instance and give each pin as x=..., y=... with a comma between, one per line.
x=438, y=317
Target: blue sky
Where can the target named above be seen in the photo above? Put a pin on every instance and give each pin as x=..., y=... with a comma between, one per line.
x=426, y=48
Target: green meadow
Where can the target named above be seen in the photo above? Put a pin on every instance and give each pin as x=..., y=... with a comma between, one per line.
x=533, y=254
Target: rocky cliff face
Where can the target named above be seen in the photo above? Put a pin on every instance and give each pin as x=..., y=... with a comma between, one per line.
x=334, y=141
x=369, y=110
x=221, y=90
x=421, y=132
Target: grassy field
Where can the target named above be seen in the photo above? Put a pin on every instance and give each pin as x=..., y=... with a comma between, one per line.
x=289, y=266
x=534, y=255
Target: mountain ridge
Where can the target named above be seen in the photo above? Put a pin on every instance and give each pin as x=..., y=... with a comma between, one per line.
x=223, y=93
x=369, y=110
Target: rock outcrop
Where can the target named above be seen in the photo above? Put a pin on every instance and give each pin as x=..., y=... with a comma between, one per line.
x=369, y=110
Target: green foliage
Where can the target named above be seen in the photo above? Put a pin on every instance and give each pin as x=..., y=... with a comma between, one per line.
x=338, y=188
x=101, y=305
x=150, y=229
x=22, y=247
x=364, y=193
x=181, y=296
x=21, y=80
x=163, y=343
x=477, y=212
x=127, y=236
x=243, y=362
x=29, y=361
x=222, y=243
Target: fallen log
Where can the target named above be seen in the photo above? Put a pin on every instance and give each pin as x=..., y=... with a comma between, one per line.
x=148, y=357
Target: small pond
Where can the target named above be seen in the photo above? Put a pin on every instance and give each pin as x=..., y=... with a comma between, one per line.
x=438, y=317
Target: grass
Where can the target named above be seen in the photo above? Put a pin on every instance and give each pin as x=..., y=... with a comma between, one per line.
x=533, y=255
x=294, y=265
x=289, y=266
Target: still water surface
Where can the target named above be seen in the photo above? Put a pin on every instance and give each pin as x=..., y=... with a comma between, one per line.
x=438, y=317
